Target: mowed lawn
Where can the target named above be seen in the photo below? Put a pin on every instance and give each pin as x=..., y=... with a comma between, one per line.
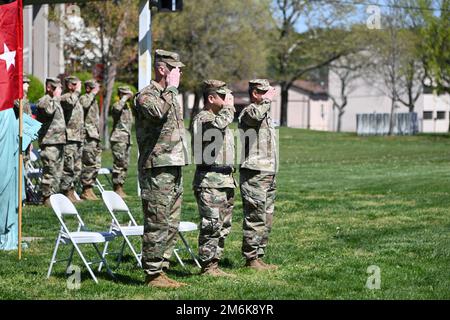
x=344, y=203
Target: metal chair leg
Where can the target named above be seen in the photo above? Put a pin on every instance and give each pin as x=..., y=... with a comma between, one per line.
x=188, y=248
x=52, y=262
x=85, y=263
x=104, y=261
x=175, y=251
x=100, y=266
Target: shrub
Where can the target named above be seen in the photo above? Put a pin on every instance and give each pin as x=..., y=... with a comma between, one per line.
x=36, y=89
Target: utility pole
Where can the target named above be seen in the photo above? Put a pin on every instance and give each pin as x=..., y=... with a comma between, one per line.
x=145, y=39
x=145, y=44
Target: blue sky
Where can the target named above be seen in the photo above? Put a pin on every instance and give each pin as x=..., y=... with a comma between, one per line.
x=360, y=15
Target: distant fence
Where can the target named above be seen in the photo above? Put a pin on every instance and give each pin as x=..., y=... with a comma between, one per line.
x=377, y=124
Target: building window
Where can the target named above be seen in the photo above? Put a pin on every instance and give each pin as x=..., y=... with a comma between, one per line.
x=427, y=115
x=440, y=115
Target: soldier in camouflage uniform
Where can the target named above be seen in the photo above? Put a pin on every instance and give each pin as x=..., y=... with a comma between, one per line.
x=121, y=138
x=92, y=151
x=73, y=114
x=162, y=153
x=257, y=172
x=26, y=108
x=52, y=138
x=214, y=182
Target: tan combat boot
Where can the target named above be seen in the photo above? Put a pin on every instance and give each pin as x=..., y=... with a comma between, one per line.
x=88, y=194
x=254, y=264
x=212, y=269
x=160, y=280
x=71, y=195
x=46, y=202
x=119, y=190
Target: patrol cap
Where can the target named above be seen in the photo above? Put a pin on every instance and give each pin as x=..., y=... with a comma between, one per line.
x=25, y=79
x=91, y=83
x=71, y=79
x=55, y=82
x=215, y=86
x=260, y=84
x=171, y=58
x=124, y=90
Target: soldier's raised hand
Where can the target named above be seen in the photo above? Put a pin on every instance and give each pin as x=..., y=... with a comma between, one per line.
x=57, y=91
x=78, y=87
x=96, y=89
x=269, y=94
x=229, y=99
x=173, y=78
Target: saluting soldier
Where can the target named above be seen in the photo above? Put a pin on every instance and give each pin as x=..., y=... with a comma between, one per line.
x=92, y=152
x=52, y=138
x=73, y=115
x=214, y=182
x=26, y=108
x=257, y=172
x=162, y=153
x=121, y=138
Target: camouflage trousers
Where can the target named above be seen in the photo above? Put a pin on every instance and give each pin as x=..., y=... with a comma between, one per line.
x=72, y=165
x=121, y=160
x=162, y=194
x=216, y=208
x=258, y=199
x=52, y=157
x=92, y=161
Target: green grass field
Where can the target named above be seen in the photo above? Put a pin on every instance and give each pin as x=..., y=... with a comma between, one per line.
x=344, y=203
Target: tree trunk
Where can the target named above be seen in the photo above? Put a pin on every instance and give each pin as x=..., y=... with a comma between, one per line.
x=195, y=107
x=116, y=50
x=339, y=123
x=391, y=118
x=110, y=79
x=284, y=104
x=185, y=96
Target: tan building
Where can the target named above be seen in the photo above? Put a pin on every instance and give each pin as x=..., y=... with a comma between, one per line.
x=43, y=41
x=308, y=107
x=433, y=111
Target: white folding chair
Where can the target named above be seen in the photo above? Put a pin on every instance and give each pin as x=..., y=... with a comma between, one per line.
x=106, y=172
x=62, y=207
x=33, y=177
x=186, y=226
x=115, y=204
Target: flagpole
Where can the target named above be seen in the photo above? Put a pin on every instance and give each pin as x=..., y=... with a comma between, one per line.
x=20, y=178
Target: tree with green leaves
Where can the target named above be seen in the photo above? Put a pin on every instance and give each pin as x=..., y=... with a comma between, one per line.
x=105, y=33
x=434, y=45
x=296, y=54
x=221, y=39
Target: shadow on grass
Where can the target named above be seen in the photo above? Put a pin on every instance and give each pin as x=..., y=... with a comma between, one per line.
x=102, y=276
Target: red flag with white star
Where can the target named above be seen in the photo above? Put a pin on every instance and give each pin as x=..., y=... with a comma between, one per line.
x=11, y=52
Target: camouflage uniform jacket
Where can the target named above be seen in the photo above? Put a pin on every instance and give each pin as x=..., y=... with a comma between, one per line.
x=73, y=114
x=122, y=122
x=218, y=124
x=26, y=106
x=50, y=114
x=159, y=128
x=91, y=116
x=260, y=155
